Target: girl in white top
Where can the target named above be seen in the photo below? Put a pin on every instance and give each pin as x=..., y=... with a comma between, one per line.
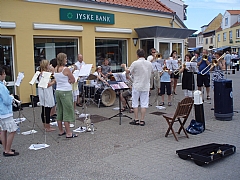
x=46, y=96
x=98, y=73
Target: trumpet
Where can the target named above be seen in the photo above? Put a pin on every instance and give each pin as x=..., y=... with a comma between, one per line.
x=213, y=64
x=165, y=69
x=205, y=57
x=176, y=72
x=158, y=55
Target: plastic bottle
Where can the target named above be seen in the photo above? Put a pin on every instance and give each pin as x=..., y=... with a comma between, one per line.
x=92, y=128
x=18, y=129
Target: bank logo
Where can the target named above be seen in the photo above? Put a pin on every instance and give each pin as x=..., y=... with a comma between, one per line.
x=69, y=15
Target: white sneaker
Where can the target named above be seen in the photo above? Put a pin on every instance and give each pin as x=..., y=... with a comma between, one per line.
x=77, y=112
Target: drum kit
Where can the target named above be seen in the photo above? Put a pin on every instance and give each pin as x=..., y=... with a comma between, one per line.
x=98, y=93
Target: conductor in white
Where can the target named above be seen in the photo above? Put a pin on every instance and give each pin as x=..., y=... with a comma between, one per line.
x=141, y=70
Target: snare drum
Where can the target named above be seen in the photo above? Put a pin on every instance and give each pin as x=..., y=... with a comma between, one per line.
x=106, y=96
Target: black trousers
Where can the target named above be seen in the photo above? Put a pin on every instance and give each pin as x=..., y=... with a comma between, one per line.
x=46, y=112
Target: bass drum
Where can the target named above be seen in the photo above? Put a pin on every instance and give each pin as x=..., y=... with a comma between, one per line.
x=105, y=96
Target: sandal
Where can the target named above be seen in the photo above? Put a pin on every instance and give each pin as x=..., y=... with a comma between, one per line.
x=131, y=110
x=62, y=133
x=123, y=109
x=142, y=123
x=73, y=136
x=78, y=104
x=134, y=122
x=208, y=98
x=161, y=104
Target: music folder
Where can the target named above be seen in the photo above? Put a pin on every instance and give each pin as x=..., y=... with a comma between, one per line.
x=118, y=85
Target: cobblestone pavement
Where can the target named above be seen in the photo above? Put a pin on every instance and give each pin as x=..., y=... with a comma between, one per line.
x=124, y=151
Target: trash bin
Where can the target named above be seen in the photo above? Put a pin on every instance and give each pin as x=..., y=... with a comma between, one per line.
x=223, y=100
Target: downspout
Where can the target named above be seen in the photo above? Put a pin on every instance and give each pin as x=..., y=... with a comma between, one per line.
x=173, y=18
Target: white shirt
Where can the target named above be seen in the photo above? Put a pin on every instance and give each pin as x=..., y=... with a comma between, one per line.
x=79, y=66
x=141, y=71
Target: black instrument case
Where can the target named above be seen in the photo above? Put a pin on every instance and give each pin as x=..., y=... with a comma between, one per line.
x=206, y=153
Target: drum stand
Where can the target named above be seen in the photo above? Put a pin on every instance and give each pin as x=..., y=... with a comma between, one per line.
x=120, y=114
x=88, y=97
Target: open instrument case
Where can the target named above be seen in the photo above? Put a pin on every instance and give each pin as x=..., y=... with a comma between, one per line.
x=206, y=153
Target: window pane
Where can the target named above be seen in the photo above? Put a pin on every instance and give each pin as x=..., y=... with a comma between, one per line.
x=146, y=45
x=114, y=50
x=6, y=60
x=48, y=48
x=164, y=49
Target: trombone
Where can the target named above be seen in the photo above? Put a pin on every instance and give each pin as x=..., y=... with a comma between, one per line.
x=176, y=72
x=213, y=64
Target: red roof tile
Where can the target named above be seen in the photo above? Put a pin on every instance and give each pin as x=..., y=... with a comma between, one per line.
x=236, y=24
x=234, y=12
x=141, y=4
x=219, y=29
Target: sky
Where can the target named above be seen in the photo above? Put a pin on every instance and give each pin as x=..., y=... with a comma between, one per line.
x=202, y=12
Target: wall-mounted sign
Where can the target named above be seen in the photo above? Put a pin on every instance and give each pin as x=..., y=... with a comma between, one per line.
x=86, y=16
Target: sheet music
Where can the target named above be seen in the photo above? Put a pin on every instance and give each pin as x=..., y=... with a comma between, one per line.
x=191, y=66
x=35, y=76
x=44, y=80
x=159, y=64
x=76, y=74
x=123, y=85
x=120, y=76
x=172, y=64
x=85, y=70
x=19, y=78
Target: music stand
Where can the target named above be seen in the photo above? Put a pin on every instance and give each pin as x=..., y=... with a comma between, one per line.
x=192, y=67
x=115, y=85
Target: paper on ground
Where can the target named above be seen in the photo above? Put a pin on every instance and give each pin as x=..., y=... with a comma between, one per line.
x=80, y=129
x=83, y=115
x=29, y=132
x=55, y=124
x=160, y=107
x=116, y=108
x=19, y=120
x=38, y=146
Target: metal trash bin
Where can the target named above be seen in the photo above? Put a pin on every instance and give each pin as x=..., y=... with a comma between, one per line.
x=223, y=100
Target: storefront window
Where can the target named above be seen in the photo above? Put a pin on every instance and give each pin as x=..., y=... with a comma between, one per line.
x=164, y=49
x=48, y=48
x=114, y=50
x=6, y=61
x=146, y=45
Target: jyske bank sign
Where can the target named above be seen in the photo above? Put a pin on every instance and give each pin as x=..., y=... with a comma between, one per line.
x=86, y=16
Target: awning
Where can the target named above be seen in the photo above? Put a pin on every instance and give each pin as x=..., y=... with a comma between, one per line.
x=165, y=32
x=222, y=48
x=194, y=49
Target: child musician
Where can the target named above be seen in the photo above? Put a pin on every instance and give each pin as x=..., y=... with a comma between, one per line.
x=7, y=124
x=75, y=91
x=165, y=81
x=46, y=98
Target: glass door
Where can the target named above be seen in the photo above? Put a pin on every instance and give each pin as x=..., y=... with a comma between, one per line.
x=164, y=49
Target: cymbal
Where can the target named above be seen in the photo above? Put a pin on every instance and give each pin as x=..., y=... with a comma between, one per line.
x=91, y=77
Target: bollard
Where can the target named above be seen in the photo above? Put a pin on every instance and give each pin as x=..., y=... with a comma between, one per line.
x=198, y=106
x=237, y=65
x=233, y=68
